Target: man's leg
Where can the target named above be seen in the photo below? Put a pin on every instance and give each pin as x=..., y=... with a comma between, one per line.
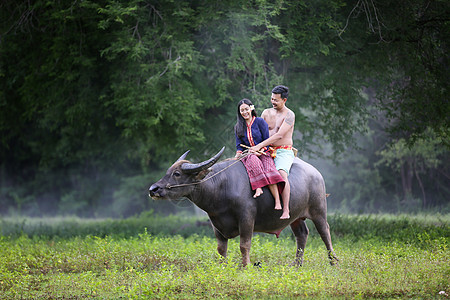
x=274, y=190
x=285, y=195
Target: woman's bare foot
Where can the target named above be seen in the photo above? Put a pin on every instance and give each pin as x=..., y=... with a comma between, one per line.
x=258, y=192
x=278, y=206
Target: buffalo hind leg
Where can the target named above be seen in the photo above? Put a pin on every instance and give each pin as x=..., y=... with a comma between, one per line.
x=300, y=231
x=222, y=243
x=324, y=230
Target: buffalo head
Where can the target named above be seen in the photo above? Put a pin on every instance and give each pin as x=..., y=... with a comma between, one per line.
x=181, y=177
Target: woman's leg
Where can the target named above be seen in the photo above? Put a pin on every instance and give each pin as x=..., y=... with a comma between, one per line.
x=258, y=192
x=255, y=172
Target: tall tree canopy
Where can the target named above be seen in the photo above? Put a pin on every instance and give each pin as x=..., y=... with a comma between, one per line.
x=95, y=91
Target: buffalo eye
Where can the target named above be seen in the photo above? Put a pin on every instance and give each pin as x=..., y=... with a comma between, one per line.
x=176, y=174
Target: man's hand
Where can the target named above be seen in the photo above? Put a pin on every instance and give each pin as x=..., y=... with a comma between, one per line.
x=254, y=149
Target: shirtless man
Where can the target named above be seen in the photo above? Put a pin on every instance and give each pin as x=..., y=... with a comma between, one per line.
x=281, y=127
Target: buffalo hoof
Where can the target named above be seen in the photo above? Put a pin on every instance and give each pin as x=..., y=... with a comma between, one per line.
x=333, y=259
x=296, y=264
x=334, y=262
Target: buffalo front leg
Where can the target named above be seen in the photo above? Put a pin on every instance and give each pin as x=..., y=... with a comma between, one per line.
x=222, y=243
x=245, y=242
x=324, y=230
x=301, y=232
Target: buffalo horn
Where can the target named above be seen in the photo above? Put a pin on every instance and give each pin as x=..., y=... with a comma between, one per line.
x=195, y=168
x=182, y=157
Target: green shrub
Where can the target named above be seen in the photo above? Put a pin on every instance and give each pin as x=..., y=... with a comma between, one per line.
x=66, y=227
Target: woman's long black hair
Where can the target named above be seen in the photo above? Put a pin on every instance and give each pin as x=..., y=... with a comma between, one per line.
x=241, y=127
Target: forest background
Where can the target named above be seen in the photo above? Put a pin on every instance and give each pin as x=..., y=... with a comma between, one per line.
x=98, y=98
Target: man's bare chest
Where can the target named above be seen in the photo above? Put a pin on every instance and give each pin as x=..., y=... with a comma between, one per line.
x=275, y=121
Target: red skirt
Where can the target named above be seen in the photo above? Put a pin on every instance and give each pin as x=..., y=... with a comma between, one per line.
x=262, y=171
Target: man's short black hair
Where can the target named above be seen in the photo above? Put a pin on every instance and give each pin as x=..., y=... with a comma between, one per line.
x=281, y=89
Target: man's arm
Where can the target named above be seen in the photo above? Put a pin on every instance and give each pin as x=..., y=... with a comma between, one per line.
x=284, y=129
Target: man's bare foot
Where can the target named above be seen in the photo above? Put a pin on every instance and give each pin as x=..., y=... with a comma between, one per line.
x=258, y=192
x=278, y=206
x=285, y=216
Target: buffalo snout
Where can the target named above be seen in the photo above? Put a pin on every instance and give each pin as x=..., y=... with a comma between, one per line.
x=154, y=191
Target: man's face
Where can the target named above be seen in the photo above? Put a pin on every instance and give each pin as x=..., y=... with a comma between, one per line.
x=277, y=102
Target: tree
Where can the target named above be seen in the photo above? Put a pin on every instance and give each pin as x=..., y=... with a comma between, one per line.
x=412, y=161
x=403, y=48
x=94, y=92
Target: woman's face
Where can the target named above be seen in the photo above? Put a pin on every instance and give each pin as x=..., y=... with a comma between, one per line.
x=245, y=111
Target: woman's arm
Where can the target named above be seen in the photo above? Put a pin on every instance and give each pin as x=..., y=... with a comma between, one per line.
x=264, y=128
x=239, y=148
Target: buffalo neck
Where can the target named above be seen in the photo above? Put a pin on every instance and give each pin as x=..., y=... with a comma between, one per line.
x=208, y=194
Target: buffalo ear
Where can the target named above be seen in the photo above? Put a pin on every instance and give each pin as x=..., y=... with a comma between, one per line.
x=202, y=174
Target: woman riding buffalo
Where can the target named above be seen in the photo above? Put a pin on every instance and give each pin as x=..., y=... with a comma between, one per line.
x=251, y=130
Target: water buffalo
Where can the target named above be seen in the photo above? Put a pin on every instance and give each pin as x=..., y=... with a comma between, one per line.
x=223, y=191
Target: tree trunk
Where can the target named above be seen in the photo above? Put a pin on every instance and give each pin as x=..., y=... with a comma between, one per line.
x=407, y=176
x=424, y=199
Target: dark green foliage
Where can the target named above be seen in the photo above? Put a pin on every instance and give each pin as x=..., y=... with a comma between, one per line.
x=95, y=96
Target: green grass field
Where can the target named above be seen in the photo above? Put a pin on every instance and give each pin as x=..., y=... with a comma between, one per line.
x=149, y=257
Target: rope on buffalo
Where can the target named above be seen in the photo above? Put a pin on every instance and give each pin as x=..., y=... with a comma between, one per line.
x=244, y=154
